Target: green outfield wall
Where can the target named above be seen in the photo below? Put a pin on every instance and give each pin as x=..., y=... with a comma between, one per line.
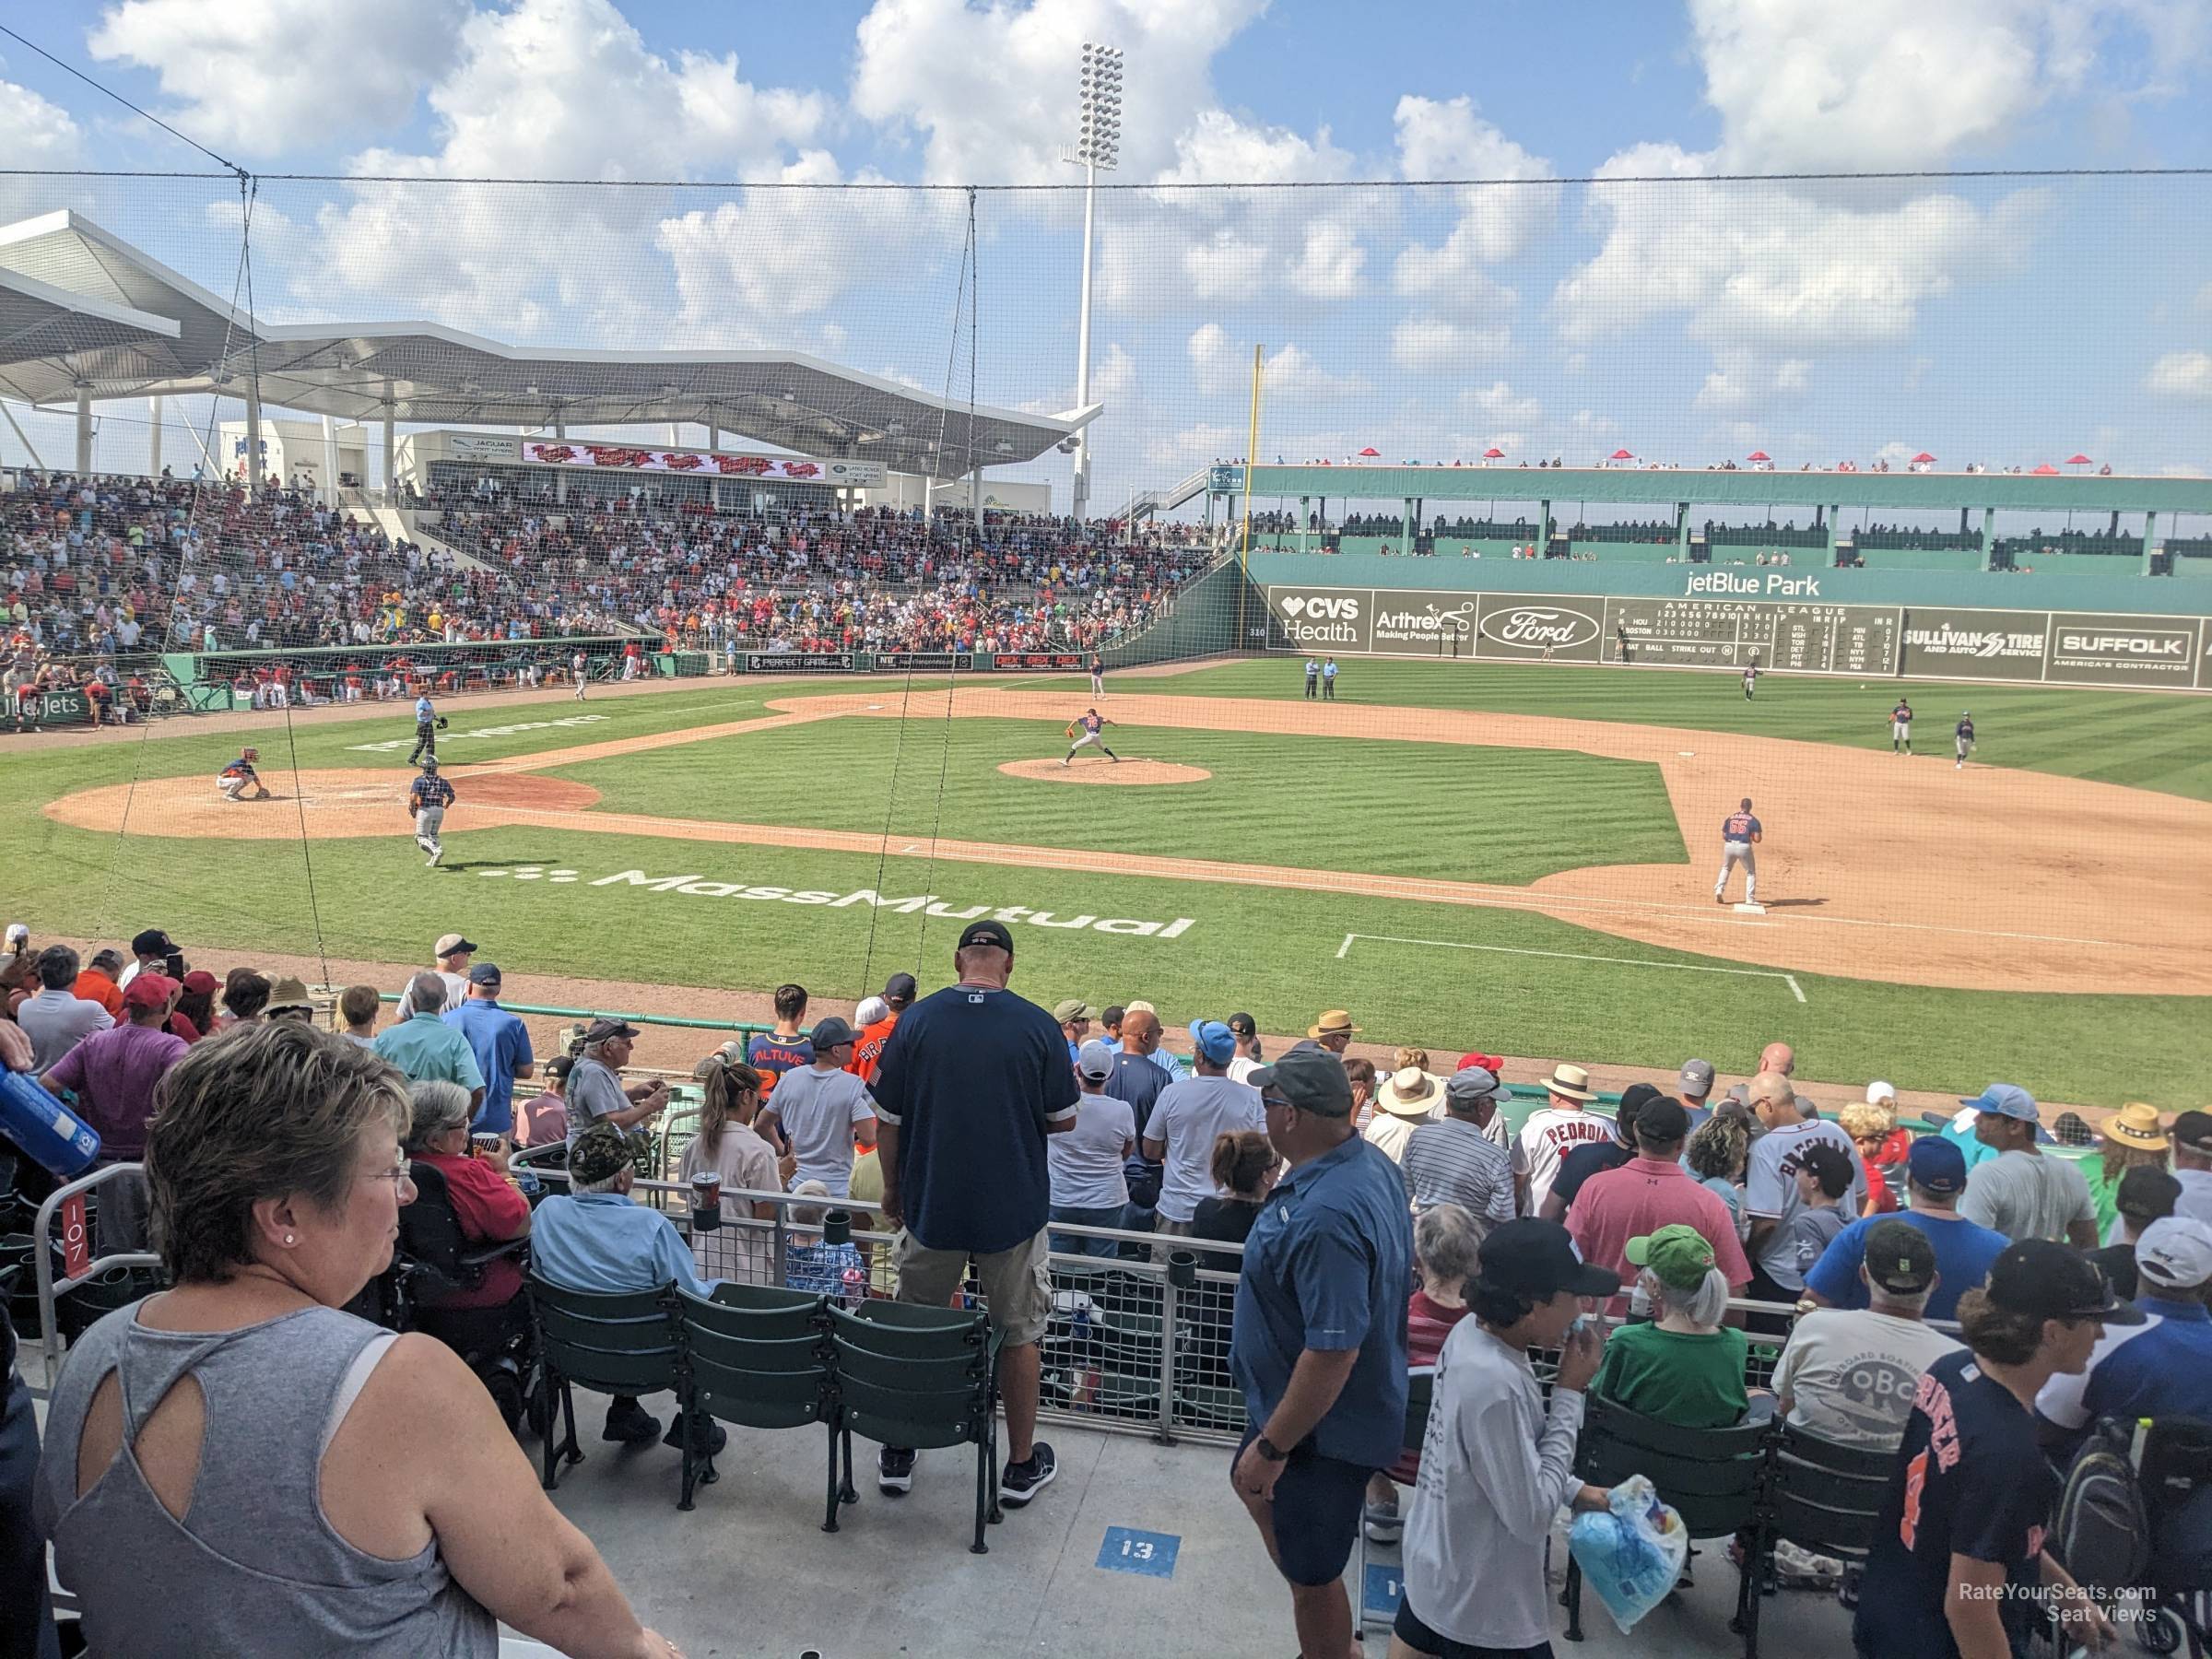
x=2112, y=632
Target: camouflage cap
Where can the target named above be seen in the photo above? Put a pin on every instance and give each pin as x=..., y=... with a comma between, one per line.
x=600, y=1151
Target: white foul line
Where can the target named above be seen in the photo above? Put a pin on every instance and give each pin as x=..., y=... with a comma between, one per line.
x=1790, y=980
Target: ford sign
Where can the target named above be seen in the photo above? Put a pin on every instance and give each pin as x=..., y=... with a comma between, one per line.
x=1539, y=628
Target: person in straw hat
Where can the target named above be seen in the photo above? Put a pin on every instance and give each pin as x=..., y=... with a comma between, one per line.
x=1409, y=1096
x=1561, y=1124
x=1333, y=1030
x=2133, y=1136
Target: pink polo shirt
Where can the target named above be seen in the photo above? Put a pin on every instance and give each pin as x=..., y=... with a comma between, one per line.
x=1642, y=1195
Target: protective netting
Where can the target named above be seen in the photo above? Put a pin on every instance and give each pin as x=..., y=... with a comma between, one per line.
x=513, y=435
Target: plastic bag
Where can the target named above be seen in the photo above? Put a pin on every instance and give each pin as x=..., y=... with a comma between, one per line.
x=1633, y=1552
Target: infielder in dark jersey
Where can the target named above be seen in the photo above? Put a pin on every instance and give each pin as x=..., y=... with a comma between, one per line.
x=427, y=798
x=1901, y=728
x=1740, y=834
x=1963, y=739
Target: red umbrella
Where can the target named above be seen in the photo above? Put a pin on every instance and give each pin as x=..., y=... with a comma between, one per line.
x=2078, y=460
x=1923, y=458
x=1622, y=454
x=2047, y=471
x=1493, y=453
x=1370, y=451
x=1758, y=456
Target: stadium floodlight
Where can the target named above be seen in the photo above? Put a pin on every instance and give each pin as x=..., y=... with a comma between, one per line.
x=1098, y=141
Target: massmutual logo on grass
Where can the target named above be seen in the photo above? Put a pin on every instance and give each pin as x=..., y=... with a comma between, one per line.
x=699, y=887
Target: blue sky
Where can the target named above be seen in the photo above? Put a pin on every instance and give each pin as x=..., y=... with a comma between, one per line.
x=2002, y=321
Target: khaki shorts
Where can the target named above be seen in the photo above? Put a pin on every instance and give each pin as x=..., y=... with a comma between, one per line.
x=1016, y=1283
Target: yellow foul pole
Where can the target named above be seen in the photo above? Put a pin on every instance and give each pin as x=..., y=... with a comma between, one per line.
x=1251, y=449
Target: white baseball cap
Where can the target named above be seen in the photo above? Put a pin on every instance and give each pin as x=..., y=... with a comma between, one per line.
x=2174, y=1253
x=1881, y=1094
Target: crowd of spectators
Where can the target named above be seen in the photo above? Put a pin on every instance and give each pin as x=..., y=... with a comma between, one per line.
x=109, y=568
x=1384, y=1218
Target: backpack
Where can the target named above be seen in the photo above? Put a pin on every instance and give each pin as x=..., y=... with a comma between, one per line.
x=2102, y=1529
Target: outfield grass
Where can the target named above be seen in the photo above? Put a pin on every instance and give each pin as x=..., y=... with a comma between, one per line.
x=1442, y=810
x=1272, y=952
x=2143, y=740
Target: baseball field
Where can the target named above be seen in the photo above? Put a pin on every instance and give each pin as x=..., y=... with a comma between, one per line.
x=1516, y=858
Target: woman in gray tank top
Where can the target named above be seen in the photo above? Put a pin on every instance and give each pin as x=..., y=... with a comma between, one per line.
x=235, y=1466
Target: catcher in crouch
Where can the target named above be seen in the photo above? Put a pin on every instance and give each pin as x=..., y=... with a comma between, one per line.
x=240, y=776
x=1087, y=728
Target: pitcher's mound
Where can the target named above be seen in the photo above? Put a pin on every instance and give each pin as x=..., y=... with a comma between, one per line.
x=333, y=805
x=1097, y=769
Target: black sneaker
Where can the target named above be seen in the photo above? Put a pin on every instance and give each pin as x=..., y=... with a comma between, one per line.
x=894, y=1470
x=632, y=1424
x=708, y=1437
x=1023, y=1481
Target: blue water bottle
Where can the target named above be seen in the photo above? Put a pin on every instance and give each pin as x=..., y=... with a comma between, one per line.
x=49, y=1135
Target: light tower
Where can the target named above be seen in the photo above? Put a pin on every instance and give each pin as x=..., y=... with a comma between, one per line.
x=1097, y=139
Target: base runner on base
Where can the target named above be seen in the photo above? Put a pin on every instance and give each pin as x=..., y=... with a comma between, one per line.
x=1740, y=834
x=427, y=798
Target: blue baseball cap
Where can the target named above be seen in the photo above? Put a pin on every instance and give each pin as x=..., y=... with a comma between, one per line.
x=1215, y=1040
x=2006, y=1099
x=1936, y=1164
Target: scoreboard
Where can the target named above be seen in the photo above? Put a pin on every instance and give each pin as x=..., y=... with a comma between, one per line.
x=1734, y=633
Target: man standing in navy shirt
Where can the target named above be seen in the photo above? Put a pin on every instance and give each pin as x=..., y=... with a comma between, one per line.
x=972, y=1080
x=1318, y=1346
x=501, y=1043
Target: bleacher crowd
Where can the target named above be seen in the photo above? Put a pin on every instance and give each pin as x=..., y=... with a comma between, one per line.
x=1970, y=1293
x=109, y=567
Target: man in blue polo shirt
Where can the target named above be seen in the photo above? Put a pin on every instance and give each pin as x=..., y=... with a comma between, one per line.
x=1319, y=1346
x=973, y=1079
x=1935, y=1177
x=2161, y=1368
x=501, y=1044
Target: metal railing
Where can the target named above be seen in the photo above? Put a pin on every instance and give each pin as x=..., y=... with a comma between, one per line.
x=51, y=1288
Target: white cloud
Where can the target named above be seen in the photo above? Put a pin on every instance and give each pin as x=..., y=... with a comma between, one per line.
x=989, y=92
x=1905, y=83
x=1501, y=401
x=560, y=87
x=1439, y=140
x=256, y=78
x=1202, y=441
x=1220, y=366
x=2181, y=374
x=1421, y=344
x=1742, y=379
x=39, y=133
x=1775, y=269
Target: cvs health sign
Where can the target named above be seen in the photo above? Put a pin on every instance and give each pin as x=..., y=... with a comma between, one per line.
x=1324, y=619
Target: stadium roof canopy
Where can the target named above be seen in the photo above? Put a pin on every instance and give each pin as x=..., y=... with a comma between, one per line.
x=84, y=313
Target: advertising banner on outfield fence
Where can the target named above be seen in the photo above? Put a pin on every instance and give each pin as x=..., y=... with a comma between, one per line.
x=1324, y=619
x=1973, y=644
x=800, y=662
x=933, y=661
x=1514, y=626
x=1416, y=622
x=1036, y=662
x=2122, y=650
x=794, y=469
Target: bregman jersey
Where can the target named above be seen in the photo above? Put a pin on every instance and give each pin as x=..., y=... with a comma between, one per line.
x=1739, y=827
x=427, y=791
x=1548, y=1137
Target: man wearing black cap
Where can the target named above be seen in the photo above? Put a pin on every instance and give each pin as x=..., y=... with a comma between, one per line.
x=1849, y=1374
x=1319, y=1342
x=1498, y=1462
x=2192, y=1136
x=595, y=1093
x=2146, y=1194
x=1957, y=1564
x=867, y=1053
x=972, y=1080
x=1246, y=1030
x=152, y=951
x=1648, y=1192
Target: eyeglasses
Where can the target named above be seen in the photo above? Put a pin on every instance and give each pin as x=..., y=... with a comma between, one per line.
x=1276, y=1100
